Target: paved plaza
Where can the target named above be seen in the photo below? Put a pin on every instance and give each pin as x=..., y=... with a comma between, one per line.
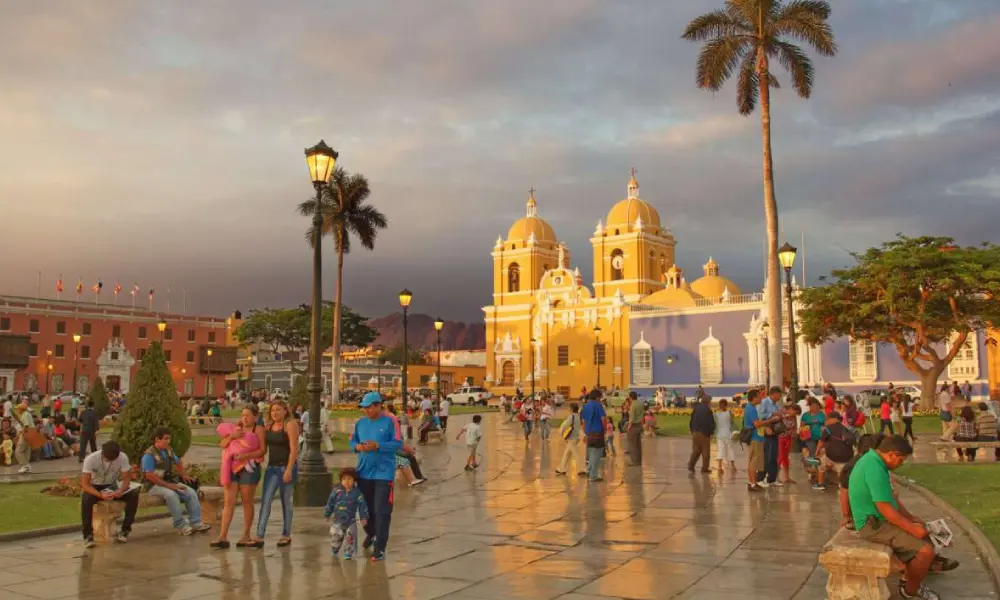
x=511, y=530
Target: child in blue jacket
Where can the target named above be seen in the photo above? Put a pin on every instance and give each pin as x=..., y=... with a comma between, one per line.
x=345, y=505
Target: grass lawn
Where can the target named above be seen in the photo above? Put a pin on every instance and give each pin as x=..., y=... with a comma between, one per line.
x=23, y=506
x=972, y=489
x=340, y=441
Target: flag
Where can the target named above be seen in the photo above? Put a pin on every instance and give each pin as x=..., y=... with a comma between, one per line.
x=59, y=285
x=150, y=293
x=135, y=289
x=97, y=287
x=79, y=286
x=118, y=288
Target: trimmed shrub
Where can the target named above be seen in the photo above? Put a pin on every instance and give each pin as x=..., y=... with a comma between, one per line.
x=152, y=402
x=299, y=395
x=99, y=396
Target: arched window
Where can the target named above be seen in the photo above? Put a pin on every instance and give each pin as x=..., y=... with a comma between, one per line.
x=507, y=373
x=642, y=361
x=710, y=359
x=617, y=265
x=513, y=278
x=654, y=267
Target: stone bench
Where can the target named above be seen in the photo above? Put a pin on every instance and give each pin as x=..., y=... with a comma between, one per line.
x=435, y=436
x=204, y=420
x=943, y=448
x=857, y=569
x=107, y=514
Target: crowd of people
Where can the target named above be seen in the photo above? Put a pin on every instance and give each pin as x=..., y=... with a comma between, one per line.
x=28, y=435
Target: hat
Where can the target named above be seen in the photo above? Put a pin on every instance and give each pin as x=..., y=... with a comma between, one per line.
x=371, y=398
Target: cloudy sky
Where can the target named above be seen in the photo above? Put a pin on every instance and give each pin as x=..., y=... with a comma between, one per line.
x=161, y=142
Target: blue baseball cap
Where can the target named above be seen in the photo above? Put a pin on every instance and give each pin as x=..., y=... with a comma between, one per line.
x=371, y=398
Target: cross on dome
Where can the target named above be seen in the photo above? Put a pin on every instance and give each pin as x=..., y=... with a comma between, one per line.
x=532, y=205
x=633, y=185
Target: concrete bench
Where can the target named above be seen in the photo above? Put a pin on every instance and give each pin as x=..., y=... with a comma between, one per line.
x=435, y=436
x=204, y=420
x=943, y=449
x=107, y=514
x=857, y=569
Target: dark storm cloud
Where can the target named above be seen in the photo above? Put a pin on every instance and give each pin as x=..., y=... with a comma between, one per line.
x=172, y=136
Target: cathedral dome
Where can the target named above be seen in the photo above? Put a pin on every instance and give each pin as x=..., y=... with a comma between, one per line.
x=713, y=285
x=624, y=214
x=677, y=294
x=531, y=225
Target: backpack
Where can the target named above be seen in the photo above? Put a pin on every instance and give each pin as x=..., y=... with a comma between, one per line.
x=746, y=436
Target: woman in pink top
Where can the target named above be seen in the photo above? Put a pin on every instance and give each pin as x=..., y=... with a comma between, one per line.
x=242, y=448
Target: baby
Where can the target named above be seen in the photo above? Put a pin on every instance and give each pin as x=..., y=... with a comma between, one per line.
x=344, y=505
x=6, y=450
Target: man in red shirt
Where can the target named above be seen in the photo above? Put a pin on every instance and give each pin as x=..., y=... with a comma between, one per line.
x=828, y=404
x=57, y=406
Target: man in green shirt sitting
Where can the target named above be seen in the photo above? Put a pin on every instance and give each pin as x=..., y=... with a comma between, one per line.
x=879, y=518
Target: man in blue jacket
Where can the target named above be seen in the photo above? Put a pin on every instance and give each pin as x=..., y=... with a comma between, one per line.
x=374, y=440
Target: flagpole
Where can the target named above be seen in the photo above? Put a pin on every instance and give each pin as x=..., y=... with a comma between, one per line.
x=803, y=259
x=185, y=302
x=38, y=288
x=168, y=300
x=59, y=288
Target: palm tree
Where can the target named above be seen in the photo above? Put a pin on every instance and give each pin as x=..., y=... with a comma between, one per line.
x=744, y=36
x=344, y=214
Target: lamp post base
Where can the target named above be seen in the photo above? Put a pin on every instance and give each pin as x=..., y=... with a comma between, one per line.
x=314, y=481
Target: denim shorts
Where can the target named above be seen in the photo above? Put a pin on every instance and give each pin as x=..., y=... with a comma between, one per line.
x=246, y=477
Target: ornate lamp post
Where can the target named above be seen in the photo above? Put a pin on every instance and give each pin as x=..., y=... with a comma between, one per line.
x=76, y=357
x=378, y=370
x=208, y=375
x=438, y=325
x=314, y=478
x=404, y=301
x=597, y=345
x=162, y=326
x=48, y=370
x=786, y=254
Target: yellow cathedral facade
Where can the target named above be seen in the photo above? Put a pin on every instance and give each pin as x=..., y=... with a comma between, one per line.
x=547, y=327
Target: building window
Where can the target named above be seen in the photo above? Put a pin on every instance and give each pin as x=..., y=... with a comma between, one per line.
x=57, y=383
x=425, y=379
x=32, y=349
x=564, y=391
x=863, y=360
x=59, y=351
x=140, y=353
x=142, y=333
x=33, y=326
x=189, y=387
x=84, y=351
x=654, y=273
x=190, y=335
x=190, y=356
x=513, y=278
x=710, y=359
x=166, y=355
x=562, y=356
x=211, y=337
x=642, y=361
x=4, y=323
x=60, y=327
x=617, y=265
x=600, y=354
x=82, y=384
x=267, y=382
x=116, y=331
x=965, y=365
x=86, y=329
x=507, y=373
x=168, y=334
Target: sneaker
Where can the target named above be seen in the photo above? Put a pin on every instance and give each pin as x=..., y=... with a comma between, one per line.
x=24, y=470
x=186, y=530
x=776, y=484
x=924, y=592
x=819, y=487
x=468, y=468
x=560, y=472
x=763, y=485
x=753, y=487
x=122, y=536
x=347, y=556
x=378, y=556
x=417, y=482
x=369, y=540
x=201, y=527
x=89, y=542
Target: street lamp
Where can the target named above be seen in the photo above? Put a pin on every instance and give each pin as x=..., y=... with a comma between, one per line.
x=597, y=345
x=786, y=254
x=208, y=376
x=162, y=326
x=48, y=370
x=438, y=325
x=315, y=483
x=378, y=369
x=404, y=301
x=76, y=357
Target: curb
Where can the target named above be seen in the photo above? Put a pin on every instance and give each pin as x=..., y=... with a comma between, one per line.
x=984, y=548
x=30, y=534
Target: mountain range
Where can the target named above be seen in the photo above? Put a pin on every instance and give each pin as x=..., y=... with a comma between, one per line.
x=455, y=335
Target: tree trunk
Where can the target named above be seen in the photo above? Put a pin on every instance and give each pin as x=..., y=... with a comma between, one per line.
x=772, y=290
x=335, y=384
x=928, y=387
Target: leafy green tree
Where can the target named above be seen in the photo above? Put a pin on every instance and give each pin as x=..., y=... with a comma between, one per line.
x=299, y=396
x=744, y=37
x=98, y=394
x=925, y=296
x=152, y=402
x=345, y=213
x=394, y=355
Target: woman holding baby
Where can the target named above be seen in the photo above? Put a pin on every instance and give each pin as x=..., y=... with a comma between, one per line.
x=242, y=448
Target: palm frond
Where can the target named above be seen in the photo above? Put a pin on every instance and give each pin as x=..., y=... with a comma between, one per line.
x=806, y=21
x=753, y=10
x=747, y=90
x=718, y=58
x=797, y=63
x=716, y=24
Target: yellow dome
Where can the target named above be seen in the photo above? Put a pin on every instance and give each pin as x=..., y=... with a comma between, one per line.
x=624, y=214
x=672, y=297
x=714, y=286
x=523, y=228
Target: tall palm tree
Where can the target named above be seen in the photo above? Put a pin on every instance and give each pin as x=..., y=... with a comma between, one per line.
x=345, y=213
x=743, y=37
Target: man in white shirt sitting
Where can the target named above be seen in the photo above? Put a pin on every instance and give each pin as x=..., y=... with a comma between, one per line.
x=106, y=476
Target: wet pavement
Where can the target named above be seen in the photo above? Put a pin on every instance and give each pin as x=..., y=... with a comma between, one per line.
x=512, y=529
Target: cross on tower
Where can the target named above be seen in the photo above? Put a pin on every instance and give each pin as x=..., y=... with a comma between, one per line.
x=632, y=172
x=531, y=191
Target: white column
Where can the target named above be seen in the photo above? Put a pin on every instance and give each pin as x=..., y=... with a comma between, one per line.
x=752, y=359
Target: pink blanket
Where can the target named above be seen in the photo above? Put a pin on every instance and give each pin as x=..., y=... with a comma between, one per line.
x=244, y=445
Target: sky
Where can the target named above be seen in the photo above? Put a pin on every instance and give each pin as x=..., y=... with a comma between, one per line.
x=162, y=142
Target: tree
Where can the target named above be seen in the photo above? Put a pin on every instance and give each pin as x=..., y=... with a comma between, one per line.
x=342, y=203
x=745, y=36
x=289, y=329
x=922, y=295
x=98, y=394
x=152, y=403
x=394, y=355
x=299, y=396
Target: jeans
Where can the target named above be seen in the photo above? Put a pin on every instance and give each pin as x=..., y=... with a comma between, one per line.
x=544, y=429
x=273, y=482
x=908, y=428
x=771, y=458
x=528, y=425
x=886, y=424
x=378, y=495
x=174, y=500
x=594, y=456
x=131, y=500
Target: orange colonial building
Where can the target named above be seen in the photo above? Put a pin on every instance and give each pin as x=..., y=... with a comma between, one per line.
x=43, y=342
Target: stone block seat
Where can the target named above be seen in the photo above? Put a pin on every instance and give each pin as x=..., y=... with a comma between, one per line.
x=944, y=448
x=107, y=514
x=435, y=436
x=857, y=568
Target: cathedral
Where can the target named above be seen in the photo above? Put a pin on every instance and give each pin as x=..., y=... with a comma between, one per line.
x=641, y=325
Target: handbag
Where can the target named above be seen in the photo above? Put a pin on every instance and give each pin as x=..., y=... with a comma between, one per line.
x=34, y=438
x=568, y=431
x=805, y=433
x=746, y=435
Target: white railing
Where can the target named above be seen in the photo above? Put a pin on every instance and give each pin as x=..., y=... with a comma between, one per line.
x=732, y=299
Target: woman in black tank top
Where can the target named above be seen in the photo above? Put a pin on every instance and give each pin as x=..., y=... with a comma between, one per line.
x=282, y=440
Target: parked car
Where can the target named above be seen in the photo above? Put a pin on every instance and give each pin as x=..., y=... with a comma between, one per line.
x=871, y=396
x=912, y=391
x=470, y=395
